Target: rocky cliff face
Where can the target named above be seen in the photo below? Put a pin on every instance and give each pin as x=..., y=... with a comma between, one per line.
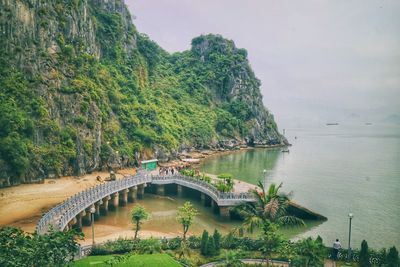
x=81, y=90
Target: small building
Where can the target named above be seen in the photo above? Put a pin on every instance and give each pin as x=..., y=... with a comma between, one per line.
x=149, y=165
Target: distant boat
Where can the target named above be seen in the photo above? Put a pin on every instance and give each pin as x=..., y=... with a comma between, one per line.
x=368, y=123
x=333, y=123
x=285, y=151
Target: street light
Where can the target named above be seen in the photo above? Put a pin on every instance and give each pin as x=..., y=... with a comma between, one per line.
x=349, y=251
x=92, y=211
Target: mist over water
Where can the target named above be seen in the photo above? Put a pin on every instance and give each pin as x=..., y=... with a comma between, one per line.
x=334, y=170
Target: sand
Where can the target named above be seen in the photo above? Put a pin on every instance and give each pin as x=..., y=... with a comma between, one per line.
x=23, y=205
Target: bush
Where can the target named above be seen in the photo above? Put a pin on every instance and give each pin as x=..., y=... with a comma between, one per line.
x=364, y=255
x=149, y=246
x=392, y=258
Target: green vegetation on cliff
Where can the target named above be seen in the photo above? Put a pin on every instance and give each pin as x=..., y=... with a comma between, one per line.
x=81, y=89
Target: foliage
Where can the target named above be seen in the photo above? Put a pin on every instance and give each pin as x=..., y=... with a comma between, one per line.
x=364, y=255
x=186, y=215
x=392, y=259
x=217, y=241
x=149, y=246
x=18, y=248
x=311, y=252
x=138, y=215
x=138, y=95
x=118, y=246
x=226, y=185
x=204, y=241
x=270, y=207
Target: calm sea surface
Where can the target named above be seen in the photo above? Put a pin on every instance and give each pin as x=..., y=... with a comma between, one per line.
x=333, y=170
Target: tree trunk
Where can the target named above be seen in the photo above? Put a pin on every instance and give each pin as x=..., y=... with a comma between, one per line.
x=137, y=229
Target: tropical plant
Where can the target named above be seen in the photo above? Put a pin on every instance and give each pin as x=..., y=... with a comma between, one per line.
x=138, y=214
x=55, y=248
x=312, y=252
x=270, y=207
x=232, y=259
x=271, y=240
x=186, y=215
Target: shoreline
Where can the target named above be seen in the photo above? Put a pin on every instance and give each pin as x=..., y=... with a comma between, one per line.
x=24, y=204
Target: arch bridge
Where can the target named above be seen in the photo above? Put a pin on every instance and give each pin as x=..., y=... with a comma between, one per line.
x=75, y=211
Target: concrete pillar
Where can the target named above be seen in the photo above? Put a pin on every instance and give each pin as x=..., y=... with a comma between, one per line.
x=160, y=189
x=104, y=206
x=179, y=190
x=87, y=218
x=79, y=219
x=140, y=191
x=123, y=199
x=224, y=212
x=203, y=198
x=114, y=201
x=132, y=195
x=97, y=212
x=213, y=205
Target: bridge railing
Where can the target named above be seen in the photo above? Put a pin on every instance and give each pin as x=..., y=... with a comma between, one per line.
x=59, y=216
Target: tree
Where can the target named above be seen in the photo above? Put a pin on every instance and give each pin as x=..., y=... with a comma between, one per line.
x=217, y=241
x=271, y=240
x=392, y=259
x=364, y=255
x=138, y=214
x=210, y=247
x=269, y=207
x=204, y=241
x=186, y=215
x=312, y=251
x=21, y=249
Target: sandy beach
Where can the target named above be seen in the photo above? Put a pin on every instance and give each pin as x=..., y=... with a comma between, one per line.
x=23, y=205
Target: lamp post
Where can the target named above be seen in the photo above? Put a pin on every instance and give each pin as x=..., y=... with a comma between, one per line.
x=265, y=177
x=92, y=211
x=349, y=251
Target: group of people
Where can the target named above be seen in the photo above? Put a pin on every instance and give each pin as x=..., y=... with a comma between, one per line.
x=170, y=170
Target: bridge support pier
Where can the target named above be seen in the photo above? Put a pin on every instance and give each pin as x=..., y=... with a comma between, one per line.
x=140, y=191
x=213, y=205
x=86, y=219
x=97, y=212
x=160, y=189
x=124, y=197
x=203, y=198
x=104, y=206
x=179, y=190
x=79, y=220
x=224, y=212
x=114, y=201
x=132, y=195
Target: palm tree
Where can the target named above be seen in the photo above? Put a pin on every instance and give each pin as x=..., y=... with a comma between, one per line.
x=269, y=208
x=312, y=251
x=138, y=214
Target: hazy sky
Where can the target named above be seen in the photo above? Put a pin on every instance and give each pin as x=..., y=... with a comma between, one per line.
x=318, y=60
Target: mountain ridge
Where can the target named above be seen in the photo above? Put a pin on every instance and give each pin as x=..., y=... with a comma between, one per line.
x=81, y=90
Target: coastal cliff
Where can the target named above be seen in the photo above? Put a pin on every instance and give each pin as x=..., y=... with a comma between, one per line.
x=82, y=90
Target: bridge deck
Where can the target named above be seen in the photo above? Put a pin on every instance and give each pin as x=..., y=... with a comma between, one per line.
x=59, y=216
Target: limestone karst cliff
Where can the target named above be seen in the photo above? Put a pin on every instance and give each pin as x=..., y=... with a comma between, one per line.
x=81, y=89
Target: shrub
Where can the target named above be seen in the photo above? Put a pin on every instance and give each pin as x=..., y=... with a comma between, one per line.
x=364, y=254
x=204, y=241
x=392, y=258
x=149, y=246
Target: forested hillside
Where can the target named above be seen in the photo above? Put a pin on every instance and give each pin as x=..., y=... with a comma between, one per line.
x=81, y=89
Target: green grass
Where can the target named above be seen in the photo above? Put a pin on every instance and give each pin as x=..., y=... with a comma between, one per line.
x=147, y=260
